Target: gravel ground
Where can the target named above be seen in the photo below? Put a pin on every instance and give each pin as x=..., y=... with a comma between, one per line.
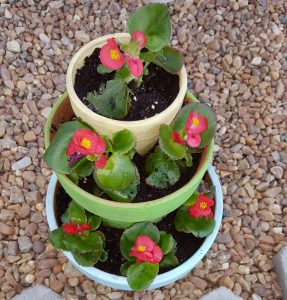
x=236, y=57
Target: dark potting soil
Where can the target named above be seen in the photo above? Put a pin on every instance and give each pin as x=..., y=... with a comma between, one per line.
x=145, y=191
x=187, y=244
x=157, y=91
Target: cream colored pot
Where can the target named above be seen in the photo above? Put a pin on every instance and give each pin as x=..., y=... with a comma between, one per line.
x=147, y=130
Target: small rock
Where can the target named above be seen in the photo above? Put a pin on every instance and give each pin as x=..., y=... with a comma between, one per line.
x=22, y=163
x=8, y=14
x=56, y=4
x=256, y=61
x=39, y=246
x=5, y=73
x=224, y=238
x=25, y=244
x=30, y=278
x=31, y=229
x=243, y=3
x=16, y=195
x=273, y=192
x=48, y=263
x=265, y=215
x=115, y=295
x=29, y=176
x=199, y=283
x=24, y=211
x=30, y=136
x=82, y=36
x=13, y=248
x=6, y=229
x=277, y=171
x=244, y=270
x=14, y=46
x=45, y=112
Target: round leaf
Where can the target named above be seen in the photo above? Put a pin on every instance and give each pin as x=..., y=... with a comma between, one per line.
x=123, y=141
x=130, y=235
x=118, y=173
x=140, y=276
x=94, y=221
x=56, y=238
x=87, y=259
x=168, y=146
x=169, y=261
x=166, y=242
x=203, y=110
x=199, y=227
x=154, y=21
x=125, y=266
x=77, y=213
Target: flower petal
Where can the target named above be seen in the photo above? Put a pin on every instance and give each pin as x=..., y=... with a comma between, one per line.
x=135, y=66
x=193, y=140
x=101, y=162
x=71, y=149
x=111, y=56
x=147, y=242
x=206, y=199
x=177, y=138
x=139, y=36
x=70, y=228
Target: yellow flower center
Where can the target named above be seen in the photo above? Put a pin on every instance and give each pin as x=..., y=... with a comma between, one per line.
x=195, y=122
x=203, y=205
x=141, y=248
x=86, y=143
x=114, y=54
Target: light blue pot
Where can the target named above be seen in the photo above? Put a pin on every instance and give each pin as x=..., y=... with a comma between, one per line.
x=120, y=282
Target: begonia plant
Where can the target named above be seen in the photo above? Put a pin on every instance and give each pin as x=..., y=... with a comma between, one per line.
x=146, y=249
x=192, y=129
x=150, y=31
x=78, y=151
x=79, y=235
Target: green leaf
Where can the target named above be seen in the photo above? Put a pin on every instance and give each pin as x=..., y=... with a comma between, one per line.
x=65, y=217
x=74, y=177
x=198, y=227
x=109, y=147
x=84, y=167
x=203, y=110
x=87, y=259
x=55, y=156
x=56, y=238
x=130, y=235
x=118, y=173
x=168, y=146
x=103, y=70
x=123, y=73
x=188, y=160
x=82, y=244
x=170, y=59
x=192, y=200
x=113, y=101
x=125, y=266
x=123, y=141
x=149, y=56
x=94, y=221
x=154, y=21
x=141, y=275
x=166, y=242
x=104, y=256
x=77, y=213
x=169, y=261
x=132, y=48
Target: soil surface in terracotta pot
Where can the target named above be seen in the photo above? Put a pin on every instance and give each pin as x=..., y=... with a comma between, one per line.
x=145, y=191
x=156, y=92
x=187, y=244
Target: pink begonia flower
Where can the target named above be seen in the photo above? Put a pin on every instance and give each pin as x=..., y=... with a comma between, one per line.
x=194, y=126
x=86, y=142
x=111, y=56
x=135, y=66
x=139, y=36
x=177, y=138
x=101, y=162
x=145, y=249
x=202, y=207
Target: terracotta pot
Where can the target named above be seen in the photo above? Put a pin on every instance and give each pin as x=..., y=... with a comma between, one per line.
x=120, y=282
x=147, y=130
x=116, y=213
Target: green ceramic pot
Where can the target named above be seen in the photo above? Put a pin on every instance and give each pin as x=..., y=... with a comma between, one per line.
x=115, y=213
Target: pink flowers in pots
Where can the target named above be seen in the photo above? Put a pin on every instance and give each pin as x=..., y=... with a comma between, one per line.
x=145, y=249
x=112, y=58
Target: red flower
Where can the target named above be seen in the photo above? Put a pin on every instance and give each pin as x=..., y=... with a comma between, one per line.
x=86, y=142
x=139, y=36
x=111, y=56
x=74, y=228
x=145, y=249
x=202, y=207
x=101, y=162
x=135, y=66
x=194, y=126
x=177, y=138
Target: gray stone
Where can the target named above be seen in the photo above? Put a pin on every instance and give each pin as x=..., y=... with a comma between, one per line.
x=14, y=46
x=13, y=248
x=221, y=293
x=56, y=4
x=277, y=172
x=82, y=36
x=256, y=61
x=25, y=244
x=22, y=163
x=6, y=215
x=280, y=265
x=16, y=195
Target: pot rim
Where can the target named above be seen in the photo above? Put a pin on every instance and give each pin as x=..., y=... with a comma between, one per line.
x=132, y=124
x=120, y=282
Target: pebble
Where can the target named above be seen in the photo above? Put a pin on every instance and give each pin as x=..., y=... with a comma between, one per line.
x=22, y=163
x=277, y=171
x=256, y=61
x=82, y=36
x=14, y=46
x=30, y=278
x=25, y=244
x=30, y=136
